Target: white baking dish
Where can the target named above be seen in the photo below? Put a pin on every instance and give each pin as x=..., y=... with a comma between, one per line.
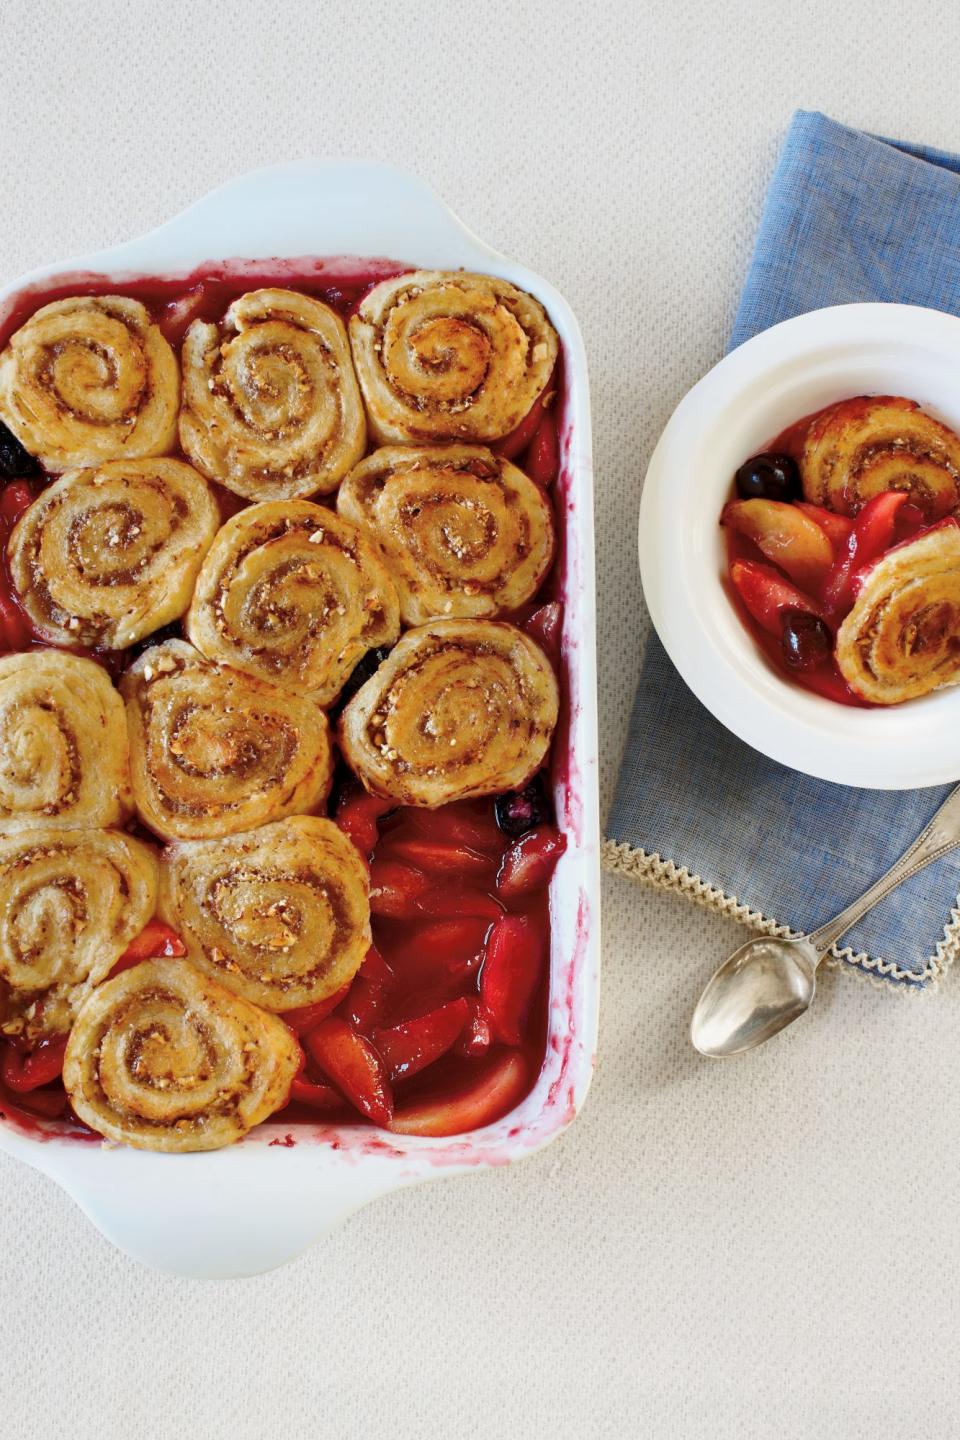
x=253, y=1206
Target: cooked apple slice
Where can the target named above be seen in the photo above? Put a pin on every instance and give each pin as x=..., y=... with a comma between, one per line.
x=786, y=536
x=767, y=595
x=354, y=1066
x=836, y=527
x=872, y=535
x=511, y=969
x=499, y=1086
x=412, y=1046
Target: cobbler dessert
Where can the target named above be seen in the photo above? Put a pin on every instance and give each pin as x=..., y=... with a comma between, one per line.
x=278, y=684
x=843, y=547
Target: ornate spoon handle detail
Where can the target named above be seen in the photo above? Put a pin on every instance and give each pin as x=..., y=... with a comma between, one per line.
x=939, y=836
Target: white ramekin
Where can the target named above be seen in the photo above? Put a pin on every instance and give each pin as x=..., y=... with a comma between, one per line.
x=255, y=1205
x=734, y=412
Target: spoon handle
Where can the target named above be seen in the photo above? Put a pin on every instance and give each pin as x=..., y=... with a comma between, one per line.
x=939, y=836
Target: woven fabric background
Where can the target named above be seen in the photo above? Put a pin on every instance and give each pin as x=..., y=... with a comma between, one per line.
x=759, y=1249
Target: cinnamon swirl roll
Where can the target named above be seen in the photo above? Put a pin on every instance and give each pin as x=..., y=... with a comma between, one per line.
x=466, y=534
x=70, y=903
x=271, y=407
x=164, y=1058
x=106, y=555
x=902, y=637
x=459, y=709
x=444, y=355
x=280, y=915
x=292, y=593
x=862, y=447
x=89, y=379
x=63, y=744
x=214, y=751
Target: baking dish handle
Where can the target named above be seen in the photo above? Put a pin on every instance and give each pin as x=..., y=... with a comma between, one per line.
x=217, y=1216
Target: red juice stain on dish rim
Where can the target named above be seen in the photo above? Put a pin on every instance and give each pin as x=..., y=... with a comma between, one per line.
x=565, y=586
x=174, y=301
x=341, y=282
x=568, y=1036
x=43, y=1130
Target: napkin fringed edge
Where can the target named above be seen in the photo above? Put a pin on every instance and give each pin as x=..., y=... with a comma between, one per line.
x=621, y=858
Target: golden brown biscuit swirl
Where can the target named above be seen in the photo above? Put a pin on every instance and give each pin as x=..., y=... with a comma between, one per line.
x=281, y=915
x=63, y=744
x=70, y=903
x=89, y=379
x=445, y=355
x=459, y=709
x=466, y=534
x=271, y=407
x=292, y=593
x=902, y=637
x=163, y=1058
x=862, y=447
x=214, y=751
x=106, y=555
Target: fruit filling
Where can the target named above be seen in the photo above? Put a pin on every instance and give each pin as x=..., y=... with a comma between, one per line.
x=842, y=551
x=443, y=1027
x=454, y=984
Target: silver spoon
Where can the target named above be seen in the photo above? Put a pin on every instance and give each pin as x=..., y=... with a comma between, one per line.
x=770, y=982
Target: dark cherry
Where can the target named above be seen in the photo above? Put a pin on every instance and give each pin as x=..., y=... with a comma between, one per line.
x=522, y=810
x=769, y=477
x=361, y=673
x=806, y=640
x=15, y=461
x=173, y=631
x=342, y=782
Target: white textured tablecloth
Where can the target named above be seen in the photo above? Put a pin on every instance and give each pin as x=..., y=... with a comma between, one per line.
x=766, y=1248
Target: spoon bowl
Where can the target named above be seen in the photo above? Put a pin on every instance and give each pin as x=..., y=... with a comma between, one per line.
x=764, y=986
x=770, y=982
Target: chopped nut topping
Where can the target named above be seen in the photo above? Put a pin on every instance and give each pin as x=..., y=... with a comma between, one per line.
x=283, y=941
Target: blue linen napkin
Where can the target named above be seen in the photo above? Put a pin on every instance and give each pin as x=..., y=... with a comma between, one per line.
x=848, y=217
